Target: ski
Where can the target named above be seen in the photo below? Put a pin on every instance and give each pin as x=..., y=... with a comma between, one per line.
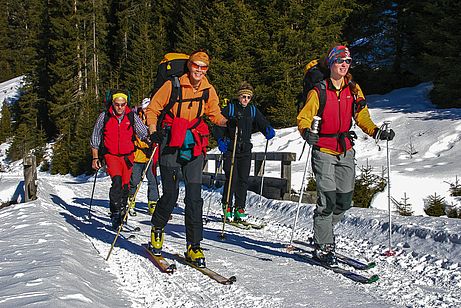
x=342, y=258
x=159, y=261
x=346, y=273
x=238, y=225
x=245, y=225
x=206, y=271
x=250, y=224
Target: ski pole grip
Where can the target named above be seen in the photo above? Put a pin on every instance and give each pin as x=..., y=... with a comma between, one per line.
x=388, y=126
x=315, y=124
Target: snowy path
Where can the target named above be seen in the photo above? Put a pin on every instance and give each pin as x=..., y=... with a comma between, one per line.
x=426, y=273
x=267, y=276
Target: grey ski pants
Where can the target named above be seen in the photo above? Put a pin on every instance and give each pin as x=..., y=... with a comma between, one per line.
x=335, y=177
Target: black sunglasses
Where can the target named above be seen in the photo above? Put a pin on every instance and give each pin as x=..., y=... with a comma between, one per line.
x=340, y=61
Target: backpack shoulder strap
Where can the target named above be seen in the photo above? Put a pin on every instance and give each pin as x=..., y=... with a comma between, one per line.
x=253, y=111
x=322, y=92
x=203, y=100
x=130, y=116
x=231, y=109
x=175, y=87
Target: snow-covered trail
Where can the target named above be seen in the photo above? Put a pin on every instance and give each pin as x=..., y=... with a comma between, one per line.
x=426, y=273
x=267, y=276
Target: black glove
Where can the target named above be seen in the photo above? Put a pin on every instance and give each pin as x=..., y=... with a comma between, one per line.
x=384, y=134
x=156, y=137
x=310, y=137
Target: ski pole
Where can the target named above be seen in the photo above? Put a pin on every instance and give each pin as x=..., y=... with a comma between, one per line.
x=230, y=181
x=262, y=175
x=314, y=128
x=134, y=198
x=92, y=194
x=218, y=167
x=389, y=252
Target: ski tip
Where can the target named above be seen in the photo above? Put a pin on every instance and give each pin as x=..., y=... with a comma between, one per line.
x=371, y=265
x=373, y=278
x=233, y=279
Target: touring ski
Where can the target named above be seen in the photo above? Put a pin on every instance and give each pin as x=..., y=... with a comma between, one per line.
x=341, y=258
x=245, y=225
x=206, y=271
x=346, y=273
x=238, y=225
x=250, y=224
x=159, y=261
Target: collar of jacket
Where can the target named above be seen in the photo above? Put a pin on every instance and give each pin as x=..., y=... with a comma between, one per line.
x=344, y=84
x=184, y=81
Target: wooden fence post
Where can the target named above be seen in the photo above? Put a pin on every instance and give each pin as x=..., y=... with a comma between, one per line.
x=30, y=178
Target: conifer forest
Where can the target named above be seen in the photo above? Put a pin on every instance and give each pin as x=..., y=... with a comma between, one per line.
x=70, y=52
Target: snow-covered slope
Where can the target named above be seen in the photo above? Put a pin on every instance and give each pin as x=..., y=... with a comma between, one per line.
x=53, y=257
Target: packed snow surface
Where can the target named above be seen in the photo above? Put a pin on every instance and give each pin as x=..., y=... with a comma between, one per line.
x=53, y=254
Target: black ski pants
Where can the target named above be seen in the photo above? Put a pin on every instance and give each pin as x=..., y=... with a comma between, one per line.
x=192, y=173
x=240, y=174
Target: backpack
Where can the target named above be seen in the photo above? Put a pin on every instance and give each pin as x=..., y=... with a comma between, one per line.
x=107, y=100
x=314, y=75
x=173, y=66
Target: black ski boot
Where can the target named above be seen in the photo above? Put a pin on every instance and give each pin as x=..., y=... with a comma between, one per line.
x=116, y=220
x=325, y=253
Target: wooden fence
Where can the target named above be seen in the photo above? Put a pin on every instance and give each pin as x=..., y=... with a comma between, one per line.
x=274, y=187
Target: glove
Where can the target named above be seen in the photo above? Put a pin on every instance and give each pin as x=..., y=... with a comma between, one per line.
x=223, y=144
x=384, y=134
x=156, y=137
x=310, y=137
x=270, y=132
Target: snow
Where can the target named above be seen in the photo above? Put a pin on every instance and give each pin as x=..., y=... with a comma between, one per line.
x=54, y=256
x=9, y=90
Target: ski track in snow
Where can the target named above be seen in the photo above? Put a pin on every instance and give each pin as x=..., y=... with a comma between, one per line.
x=267, y=275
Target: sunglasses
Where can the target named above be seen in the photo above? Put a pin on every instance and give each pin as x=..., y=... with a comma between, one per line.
x=245, y=96
x=203, y=68
x=120, y=105
x=340, y=61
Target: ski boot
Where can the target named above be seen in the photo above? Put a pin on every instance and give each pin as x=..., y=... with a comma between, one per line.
x=116, y=220
x=156, y=240
x=325, y=253
x=131, y=206
x=195, y=254
x=151, y=206
x=240, y=215
x=228, y=212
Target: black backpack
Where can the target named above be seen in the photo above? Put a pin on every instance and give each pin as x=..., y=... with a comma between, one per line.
x=314, y=75
x=173, y=66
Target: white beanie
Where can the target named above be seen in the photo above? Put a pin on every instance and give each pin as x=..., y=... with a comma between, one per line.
x=145, y=103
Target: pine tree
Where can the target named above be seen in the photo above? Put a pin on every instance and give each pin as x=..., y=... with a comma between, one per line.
x=367, y=185
x=5, y=122
x=437, y=40
x=435, y=205
x=403, y=207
